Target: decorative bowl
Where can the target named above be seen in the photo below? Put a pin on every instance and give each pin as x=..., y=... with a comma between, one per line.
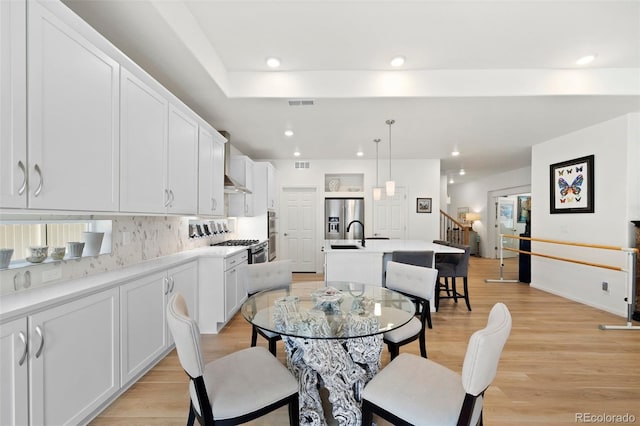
x=5, y=257
x=57, y=253
x=37, y=254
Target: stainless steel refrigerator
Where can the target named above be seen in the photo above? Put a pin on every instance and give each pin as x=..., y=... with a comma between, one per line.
x=338, y=213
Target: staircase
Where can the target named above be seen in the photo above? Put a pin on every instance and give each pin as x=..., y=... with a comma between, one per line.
x=453, y=231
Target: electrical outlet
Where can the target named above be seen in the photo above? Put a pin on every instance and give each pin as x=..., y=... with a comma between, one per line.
x=605, y=286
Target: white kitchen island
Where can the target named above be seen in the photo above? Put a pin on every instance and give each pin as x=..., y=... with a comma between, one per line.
x=368, y=264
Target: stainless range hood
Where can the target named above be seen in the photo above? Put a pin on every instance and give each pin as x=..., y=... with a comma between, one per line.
x=231, y=186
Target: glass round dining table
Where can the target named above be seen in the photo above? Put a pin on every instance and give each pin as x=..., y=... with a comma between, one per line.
x=332, y=332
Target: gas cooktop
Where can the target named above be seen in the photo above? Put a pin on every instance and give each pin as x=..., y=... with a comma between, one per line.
x=237, y=243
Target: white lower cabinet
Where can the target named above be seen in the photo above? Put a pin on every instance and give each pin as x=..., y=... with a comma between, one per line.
x=145, y=335
x=218, y=303
x=14, y=397
x=74, y=359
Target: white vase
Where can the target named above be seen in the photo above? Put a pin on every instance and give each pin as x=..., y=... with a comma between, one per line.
x=93, y=242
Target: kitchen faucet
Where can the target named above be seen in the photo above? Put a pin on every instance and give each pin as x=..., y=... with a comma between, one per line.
x=361, y=224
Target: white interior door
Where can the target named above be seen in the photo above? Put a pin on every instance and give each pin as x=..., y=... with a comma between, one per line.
x=506, y=224
x=298, y=224
x=390, y=215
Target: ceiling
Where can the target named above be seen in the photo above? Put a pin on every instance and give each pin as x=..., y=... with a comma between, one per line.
x=489, y=79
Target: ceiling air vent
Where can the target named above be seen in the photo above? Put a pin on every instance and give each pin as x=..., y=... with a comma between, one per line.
x=302, y=165
x=301, y=102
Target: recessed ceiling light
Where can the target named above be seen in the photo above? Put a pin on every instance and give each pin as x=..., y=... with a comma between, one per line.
x=398, y=61
x=273, y=62
x=585, y=60
x=451, y=180
x=296, y=154
x=462, y=172
x=359, y=153
x=455, y=153
x=288, y=133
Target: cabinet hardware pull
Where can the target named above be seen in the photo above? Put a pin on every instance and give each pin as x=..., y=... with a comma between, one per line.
x=172, y=197
x=26, y=347
x=23, y=187
x=214, y=204
x=39, y=188
x=39, y=351
x=165, y=285
x=173, y=283
x=166, y=197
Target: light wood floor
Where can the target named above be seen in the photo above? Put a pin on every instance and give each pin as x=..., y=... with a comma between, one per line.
x=556, y=363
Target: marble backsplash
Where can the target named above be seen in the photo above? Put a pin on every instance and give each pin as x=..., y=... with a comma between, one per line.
x=134, y=240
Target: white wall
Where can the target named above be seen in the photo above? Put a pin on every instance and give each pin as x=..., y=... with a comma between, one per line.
x=474, y=195
x=614, y=144
x=420, y=177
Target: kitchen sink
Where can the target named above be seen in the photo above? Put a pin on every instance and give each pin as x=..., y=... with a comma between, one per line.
x=344, y=246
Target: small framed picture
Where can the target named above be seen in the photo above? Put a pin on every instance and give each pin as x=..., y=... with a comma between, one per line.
x=423, y=205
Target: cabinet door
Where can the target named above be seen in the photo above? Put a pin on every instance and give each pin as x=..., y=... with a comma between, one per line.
x=73, y=120
x=210, y=174
x=182, y=176
x=143, y=136
x=184, y=280
x=74, y=359
x=230, y=292
x=144, y=330
x=271, y=187
x=14, y=408
x=218, y=176
x=13, y=105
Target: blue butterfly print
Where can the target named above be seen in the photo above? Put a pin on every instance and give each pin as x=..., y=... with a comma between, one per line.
x=574, y=188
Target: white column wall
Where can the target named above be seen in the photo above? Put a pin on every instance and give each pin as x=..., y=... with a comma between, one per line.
x=616, y=200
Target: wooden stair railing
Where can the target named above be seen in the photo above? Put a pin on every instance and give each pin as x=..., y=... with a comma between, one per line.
x=453, y=231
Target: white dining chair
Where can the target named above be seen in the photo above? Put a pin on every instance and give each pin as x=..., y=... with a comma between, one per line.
x=236, y=388
x=257, y=277
x=418, y=283
x=412, y=390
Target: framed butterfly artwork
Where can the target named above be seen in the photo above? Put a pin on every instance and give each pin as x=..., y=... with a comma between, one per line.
x=571, y=186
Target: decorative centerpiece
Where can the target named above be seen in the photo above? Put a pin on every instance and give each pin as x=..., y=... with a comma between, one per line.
x=327, y=299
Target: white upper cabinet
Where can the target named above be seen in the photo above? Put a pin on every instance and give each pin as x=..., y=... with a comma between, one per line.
x=241, y=169
x=73, y=116
x=211, y=173
x=182, y=167
x=158, y=162
x=264, y=194
x=143, y=140
x=13, y=105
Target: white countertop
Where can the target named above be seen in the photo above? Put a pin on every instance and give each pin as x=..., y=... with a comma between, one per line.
x=18, y=304
x=388, y=246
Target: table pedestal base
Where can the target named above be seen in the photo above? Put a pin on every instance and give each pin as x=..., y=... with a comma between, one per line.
x=343, y=367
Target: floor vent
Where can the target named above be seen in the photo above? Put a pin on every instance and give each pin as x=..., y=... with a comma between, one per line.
x=302, y=165
x=301, y=102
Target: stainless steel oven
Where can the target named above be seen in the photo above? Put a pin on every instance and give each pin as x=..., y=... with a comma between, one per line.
x=258, y=253
x=271, y=234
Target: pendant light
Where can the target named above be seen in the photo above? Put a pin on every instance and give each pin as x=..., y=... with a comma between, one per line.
x=377, y=191
x=390, y=184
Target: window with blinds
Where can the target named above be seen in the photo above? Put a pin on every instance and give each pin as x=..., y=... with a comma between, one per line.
x=21, y=235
